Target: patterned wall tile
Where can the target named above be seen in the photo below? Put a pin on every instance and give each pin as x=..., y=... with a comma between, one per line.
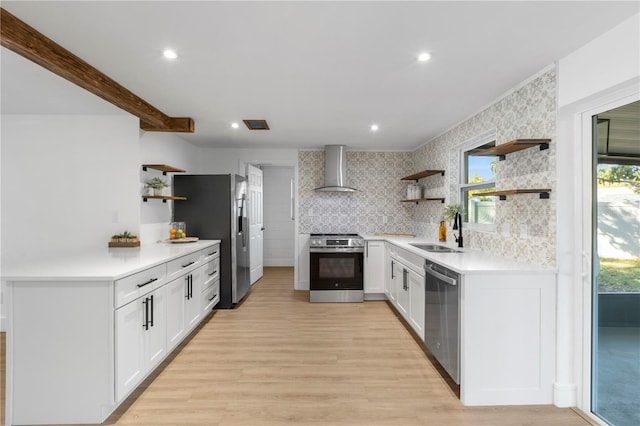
x=528, y=112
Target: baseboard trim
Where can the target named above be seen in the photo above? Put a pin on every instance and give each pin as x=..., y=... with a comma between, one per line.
x=375, y=296
x=565, y=395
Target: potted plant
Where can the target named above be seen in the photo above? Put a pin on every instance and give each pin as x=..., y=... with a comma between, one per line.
x=450, y=211
x=156, y=184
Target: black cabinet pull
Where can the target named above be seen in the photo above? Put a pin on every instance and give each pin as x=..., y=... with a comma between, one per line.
x=212, y=297
x=213, y=273
x=187, y=280
x=148, y=282
x=212, y=253
x=392, y=274
x=151, y=303
x=190, y=286
x=145, y=323
x=189, y=264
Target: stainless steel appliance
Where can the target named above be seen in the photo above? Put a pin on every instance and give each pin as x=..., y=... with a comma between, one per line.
x=336, y=262
x=442, y=317
x=216, y=208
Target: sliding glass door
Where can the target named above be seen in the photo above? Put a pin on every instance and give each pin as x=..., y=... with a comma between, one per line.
x=615, y=337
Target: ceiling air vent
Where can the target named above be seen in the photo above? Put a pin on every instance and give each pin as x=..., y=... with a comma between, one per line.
x=256, y=124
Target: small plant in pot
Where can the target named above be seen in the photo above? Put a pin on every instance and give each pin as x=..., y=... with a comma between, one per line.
x=156, y=184
x=450, y=211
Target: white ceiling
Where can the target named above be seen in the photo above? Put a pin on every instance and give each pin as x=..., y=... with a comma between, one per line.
x=318, y=72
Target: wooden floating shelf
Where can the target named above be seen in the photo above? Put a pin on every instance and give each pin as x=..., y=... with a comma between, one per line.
x=512, y=146
x=417, y=200
x=164, y=198
x=164, y=168
x=424, y=173
x=544, y=193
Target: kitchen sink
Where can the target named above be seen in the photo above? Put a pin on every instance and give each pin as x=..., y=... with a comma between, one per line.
x=435, y=248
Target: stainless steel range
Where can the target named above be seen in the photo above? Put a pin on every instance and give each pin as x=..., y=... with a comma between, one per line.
x=336, y=262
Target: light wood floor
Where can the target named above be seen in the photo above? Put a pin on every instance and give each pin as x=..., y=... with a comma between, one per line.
x=278, y=360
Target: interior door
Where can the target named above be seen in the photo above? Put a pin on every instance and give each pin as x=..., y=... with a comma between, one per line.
x=256, y=222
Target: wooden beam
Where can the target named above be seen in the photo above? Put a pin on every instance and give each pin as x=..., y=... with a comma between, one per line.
x=28, y=42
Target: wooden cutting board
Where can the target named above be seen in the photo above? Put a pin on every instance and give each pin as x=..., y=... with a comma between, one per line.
x=183, y=240
x=390, y=234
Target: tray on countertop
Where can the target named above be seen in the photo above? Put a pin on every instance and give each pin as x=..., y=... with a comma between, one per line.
x=391, y=234
x=182, y=240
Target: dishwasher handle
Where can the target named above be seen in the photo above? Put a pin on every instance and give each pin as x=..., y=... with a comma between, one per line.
x=447, y=280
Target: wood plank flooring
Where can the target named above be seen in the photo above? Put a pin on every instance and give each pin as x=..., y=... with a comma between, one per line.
x=277, y=360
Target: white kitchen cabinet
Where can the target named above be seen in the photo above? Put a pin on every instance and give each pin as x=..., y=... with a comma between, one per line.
x=175, y=313
x=416, y=302
x=506, y=329
x=193, y=282
x=140, y=339
x=83, y=332
x=211, y=287
x=402, y=300
x=374, y=270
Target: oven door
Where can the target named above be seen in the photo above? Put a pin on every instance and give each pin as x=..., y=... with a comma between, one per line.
x=336, y=270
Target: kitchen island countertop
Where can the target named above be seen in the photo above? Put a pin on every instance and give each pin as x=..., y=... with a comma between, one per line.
x=100, y=264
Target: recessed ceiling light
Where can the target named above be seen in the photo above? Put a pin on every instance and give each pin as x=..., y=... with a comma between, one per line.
x=424, y=57
x=374, y=127
x=235, y=125
x=170, y=54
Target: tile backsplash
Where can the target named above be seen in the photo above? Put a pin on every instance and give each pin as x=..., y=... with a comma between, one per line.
x=527, y=112
x=374, y=208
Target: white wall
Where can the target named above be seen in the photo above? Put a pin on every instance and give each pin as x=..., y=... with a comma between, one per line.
x=605, y=62
x=279, y=235
x=601, y=75
x=162, y=148
x=68, y=183
x=233, y=160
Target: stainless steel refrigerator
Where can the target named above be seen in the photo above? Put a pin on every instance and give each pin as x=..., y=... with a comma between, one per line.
x=216, y=209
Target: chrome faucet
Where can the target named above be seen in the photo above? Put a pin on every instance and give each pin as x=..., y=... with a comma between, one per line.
x=457, y=226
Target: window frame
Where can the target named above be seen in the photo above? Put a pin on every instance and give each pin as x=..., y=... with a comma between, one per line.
x=464, y=187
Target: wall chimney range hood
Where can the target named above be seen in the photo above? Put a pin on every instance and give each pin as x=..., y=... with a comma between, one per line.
x=335, y=161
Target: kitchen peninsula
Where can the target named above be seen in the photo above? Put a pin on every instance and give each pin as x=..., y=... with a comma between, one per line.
x=84, y=330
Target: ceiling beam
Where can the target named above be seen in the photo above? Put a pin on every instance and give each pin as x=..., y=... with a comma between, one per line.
x=28, y=42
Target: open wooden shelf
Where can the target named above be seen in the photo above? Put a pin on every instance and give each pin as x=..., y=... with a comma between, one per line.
x=164, y=168
x=164, y=198
x=512, y=146
x=417, y=200
x=424, y=173
x=544, y=193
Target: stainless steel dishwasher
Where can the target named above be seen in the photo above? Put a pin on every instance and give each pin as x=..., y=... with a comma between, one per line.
x=442, y=317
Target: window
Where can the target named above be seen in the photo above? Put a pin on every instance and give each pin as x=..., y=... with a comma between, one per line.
x=478, y=176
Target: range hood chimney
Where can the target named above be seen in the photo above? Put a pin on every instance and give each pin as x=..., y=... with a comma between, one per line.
x=335, y=161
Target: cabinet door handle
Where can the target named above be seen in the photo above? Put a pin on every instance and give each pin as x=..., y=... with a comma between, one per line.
x=212, y=297
x=213, y=273
x=145, y=323
x=148, y=282
x=151, y=303
x=189, y=264
x=392, y=274
x=212, y=253
x=404, y=279
x=190, y=286
x=187, y=281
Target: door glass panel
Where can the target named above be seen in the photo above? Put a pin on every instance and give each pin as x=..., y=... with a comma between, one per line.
x=616, y=274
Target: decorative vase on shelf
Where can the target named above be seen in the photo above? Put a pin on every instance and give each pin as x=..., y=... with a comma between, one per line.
x=157, y=191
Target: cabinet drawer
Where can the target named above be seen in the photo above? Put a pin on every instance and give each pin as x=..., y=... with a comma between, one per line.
x=212, y=272
x=210, y=253
x=139, y=284
x=411, y=260
x=183, y=264
x=211, y=296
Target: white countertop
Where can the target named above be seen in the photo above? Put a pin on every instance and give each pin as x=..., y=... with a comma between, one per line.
x=103, y=264
x=470, y=261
